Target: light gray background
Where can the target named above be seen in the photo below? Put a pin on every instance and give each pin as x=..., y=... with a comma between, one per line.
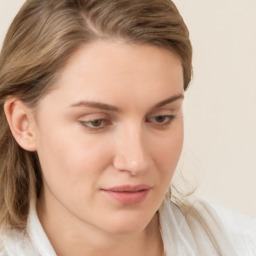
x=220, y=109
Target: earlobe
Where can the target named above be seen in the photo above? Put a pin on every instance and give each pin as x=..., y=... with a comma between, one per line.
x=20, y=121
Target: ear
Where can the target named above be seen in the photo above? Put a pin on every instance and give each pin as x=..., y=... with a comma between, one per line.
x=21, y=122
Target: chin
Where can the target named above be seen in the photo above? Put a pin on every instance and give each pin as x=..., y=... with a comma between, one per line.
x=129, y=223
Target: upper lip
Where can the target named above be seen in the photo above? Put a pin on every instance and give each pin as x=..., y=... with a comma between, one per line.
x=128, y=188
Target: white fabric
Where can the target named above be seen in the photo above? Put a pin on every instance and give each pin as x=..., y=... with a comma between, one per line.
x=206, y=229
x=194, y=229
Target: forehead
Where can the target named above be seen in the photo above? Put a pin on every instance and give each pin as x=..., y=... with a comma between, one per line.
x=107, y=70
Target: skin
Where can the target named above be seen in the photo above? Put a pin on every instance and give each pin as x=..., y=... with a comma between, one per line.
x=84, y=148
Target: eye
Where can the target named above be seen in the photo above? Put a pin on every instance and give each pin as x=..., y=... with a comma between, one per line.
x=162, y=120
x=96, y=124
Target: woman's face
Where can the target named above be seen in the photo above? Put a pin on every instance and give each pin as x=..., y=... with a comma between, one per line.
x=109, y=135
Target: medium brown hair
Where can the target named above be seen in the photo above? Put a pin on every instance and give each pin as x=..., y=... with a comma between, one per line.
x=42, y=37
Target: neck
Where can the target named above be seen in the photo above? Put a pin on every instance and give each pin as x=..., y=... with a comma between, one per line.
x=77, y=238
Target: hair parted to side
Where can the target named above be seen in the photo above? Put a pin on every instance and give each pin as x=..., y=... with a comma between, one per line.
x=42, y=37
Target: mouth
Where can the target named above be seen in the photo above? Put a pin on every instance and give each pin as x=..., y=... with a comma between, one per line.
x=128, y=194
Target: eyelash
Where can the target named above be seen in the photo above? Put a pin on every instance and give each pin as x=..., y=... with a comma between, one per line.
x=101, y=123
x=89, y=124
x=163, y=123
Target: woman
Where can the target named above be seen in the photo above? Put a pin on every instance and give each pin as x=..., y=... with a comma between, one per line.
x=92, y=129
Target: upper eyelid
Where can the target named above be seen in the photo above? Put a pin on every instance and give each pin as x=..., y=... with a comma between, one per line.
x=172, y=106
x=171, y=116
x=106, y=115
x=162, y=112
x=94, y=116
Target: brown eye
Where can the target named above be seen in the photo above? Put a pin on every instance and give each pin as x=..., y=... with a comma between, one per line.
x=95, y=124
x=161, y=119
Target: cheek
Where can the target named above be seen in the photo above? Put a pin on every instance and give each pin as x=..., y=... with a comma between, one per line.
x=168, y=151
x=72, y=168
x=67, y=157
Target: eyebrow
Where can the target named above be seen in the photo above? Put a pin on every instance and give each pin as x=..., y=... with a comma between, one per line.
x=108, y=107
x=98, y=105
x=169, y=100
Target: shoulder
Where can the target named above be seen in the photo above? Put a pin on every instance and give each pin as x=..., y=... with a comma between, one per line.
x=2, y=250
x=240, y=228
x=15, y=244
x=223, y=223
x=203, y=228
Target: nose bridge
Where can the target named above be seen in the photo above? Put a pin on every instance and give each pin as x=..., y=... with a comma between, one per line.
x=131, y=152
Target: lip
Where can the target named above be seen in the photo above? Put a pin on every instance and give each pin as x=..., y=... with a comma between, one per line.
x=128, y=194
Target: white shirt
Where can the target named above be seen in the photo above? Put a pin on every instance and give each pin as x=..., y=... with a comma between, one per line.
x=197, y=228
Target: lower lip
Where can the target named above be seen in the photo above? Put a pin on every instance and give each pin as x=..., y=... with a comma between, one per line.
x=128, y=198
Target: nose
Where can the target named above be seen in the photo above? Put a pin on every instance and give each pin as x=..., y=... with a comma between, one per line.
x=130, y=154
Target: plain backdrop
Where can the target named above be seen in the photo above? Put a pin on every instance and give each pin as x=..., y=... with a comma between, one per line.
x=220, y=105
